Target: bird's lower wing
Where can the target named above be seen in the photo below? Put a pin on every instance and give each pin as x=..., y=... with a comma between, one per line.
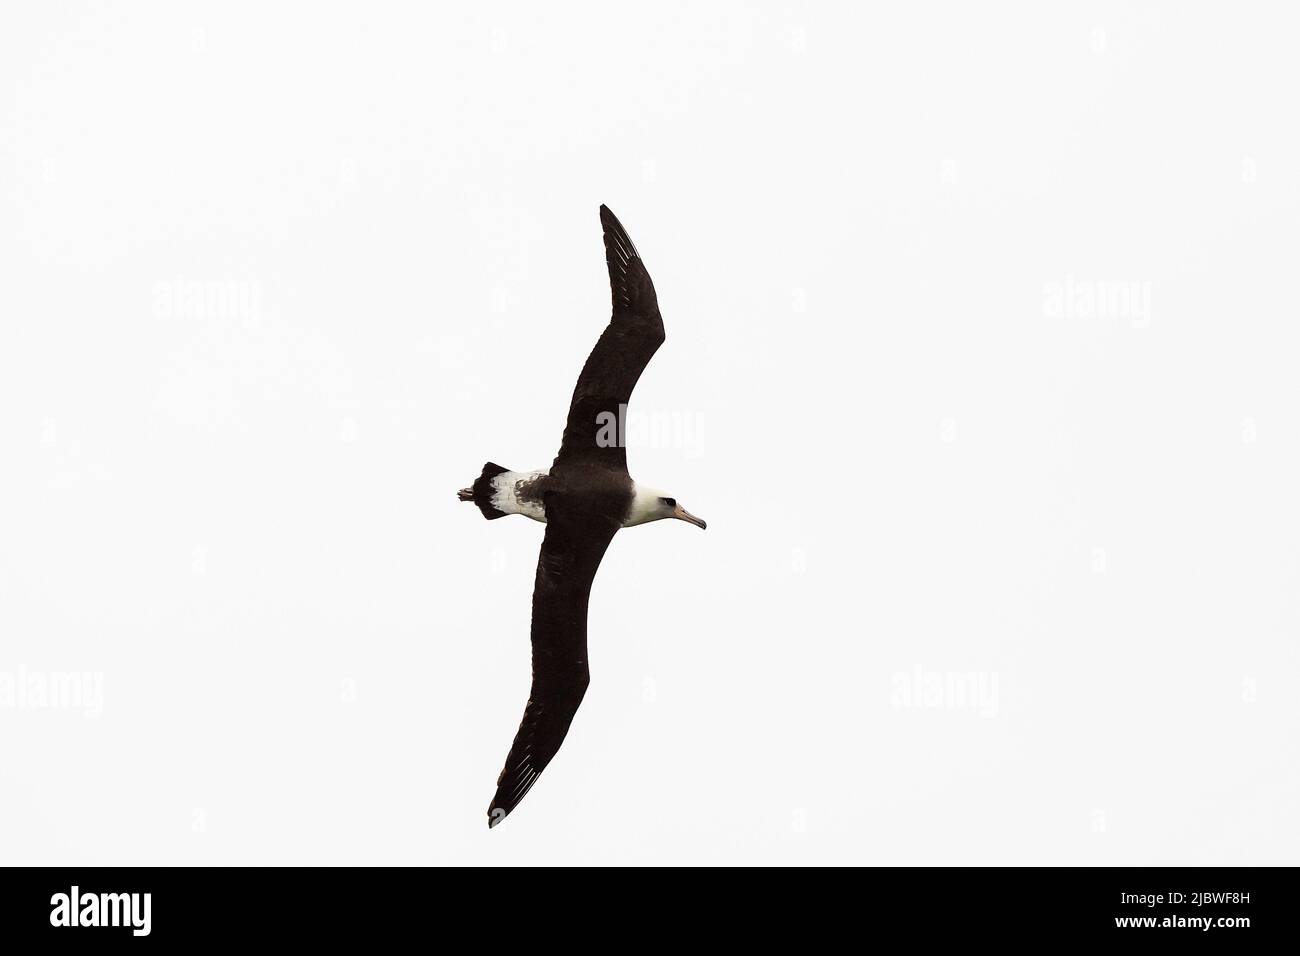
x=571, y=553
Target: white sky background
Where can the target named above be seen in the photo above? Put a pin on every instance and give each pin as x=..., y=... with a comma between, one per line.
x=923, y=456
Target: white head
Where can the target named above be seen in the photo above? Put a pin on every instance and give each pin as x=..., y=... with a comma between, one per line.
x=649, y=504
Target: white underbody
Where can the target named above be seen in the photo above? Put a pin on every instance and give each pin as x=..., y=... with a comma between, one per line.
x=514, y=493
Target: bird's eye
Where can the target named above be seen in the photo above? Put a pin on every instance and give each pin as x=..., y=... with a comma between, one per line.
x=670, y=502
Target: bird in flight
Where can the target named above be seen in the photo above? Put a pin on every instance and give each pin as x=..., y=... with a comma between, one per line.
x=584, y=499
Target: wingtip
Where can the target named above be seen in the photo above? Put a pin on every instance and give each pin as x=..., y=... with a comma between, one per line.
x=496, y=815
x=614, y=230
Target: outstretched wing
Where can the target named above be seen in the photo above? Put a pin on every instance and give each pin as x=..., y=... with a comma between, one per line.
x=571, y=553
x=634, y=332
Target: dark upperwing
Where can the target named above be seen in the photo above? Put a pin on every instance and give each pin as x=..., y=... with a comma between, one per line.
x=634, y=333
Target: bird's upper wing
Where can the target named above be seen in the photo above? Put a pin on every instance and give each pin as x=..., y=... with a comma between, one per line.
x=571, y=553
x=634, y=332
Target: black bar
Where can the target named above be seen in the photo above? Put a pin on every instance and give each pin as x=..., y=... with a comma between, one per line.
x=969, y=905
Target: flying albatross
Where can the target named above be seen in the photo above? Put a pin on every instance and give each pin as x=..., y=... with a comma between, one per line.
x=585, y=497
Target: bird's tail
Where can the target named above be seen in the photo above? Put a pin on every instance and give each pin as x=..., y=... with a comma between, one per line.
x=481, y=491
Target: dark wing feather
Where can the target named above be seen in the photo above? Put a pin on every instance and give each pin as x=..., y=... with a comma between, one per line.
x=571, y=553
x=634, y=333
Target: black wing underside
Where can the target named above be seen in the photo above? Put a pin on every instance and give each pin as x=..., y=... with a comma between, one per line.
x=634, y=333
x=571, y=553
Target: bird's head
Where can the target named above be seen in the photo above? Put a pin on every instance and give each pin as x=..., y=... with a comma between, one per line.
x=652, y=505
x=669, y=508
